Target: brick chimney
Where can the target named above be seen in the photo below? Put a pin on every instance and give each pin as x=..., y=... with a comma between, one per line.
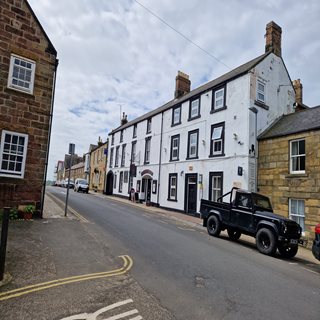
x=273, y=38
x=182, y=85
x=298, y=89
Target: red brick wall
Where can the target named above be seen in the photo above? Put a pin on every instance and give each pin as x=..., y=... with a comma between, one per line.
x=21, y=34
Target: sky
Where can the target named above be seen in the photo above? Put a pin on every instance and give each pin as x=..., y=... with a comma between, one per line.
x=115, y=56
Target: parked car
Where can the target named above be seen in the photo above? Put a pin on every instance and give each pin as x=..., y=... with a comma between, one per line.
x=251, y=214
x=71, y=183
x=81, y=185
x=316, y=243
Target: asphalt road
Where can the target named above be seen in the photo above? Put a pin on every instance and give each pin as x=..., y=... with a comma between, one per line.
x=195, y=276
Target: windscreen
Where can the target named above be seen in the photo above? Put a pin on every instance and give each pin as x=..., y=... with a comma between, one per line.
x=262, y=202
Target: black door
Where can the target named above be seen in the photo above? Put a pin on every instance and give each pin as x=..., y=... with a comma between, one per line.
x=148, y=196
x=109, y=183
x=241, y=214
x=191, y=193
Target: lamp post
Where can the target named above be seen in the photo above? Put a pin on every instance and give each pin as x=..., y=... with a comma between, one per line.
x=71, y=152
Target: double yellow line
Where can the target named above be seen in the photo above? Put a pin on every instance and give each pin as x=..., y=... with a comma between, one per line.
x=74, y=212
x=127, y=265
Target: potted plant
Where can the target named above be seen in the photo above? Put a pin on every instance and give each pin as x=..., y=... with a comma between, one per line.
x=28, y=212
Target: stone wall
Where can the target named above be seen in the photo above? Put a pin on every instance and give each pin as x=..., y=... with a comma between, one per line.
x=21, y=34
x=275, y=180
x=98, y=163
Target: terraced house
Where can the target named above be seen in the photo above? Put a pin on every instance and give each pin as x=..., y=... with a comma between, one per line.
x=204, y=141
x=27, y=81
x=289, y=167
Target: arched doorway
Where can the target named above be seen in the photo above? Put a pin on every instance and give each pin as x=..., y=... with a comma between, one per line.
x=109, y=183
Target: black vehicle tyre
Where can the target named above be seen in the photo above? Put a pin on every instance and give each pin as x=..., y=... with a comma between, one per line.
x=214, y=226
x=266, y=241
x=233, y=234
x=288, y=252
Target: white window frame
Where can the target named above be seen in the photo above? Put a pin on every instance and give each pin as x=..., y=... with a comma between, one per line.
x=176, y=115
x=216, y=99
x=111, y=157
x=297, y=156
x=302, y=216
x=134, y=134
x=147, y=151
x=116, y=160
x=30, y=65
x=194, y=107
x=121, y=182
x=217, y=139
x=261, y=92
x=12, y=173
x=216, y=191
x=191, y=145
x=123, y=155
x=173, y=187
x=149, y=125
x=175, y=148
x=133, y=151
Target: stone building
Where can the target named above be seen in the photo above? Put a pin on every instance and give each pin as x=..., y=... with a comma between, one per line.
x=28, y=65
x=289, y=167
x=77, y=171
x=98, y=163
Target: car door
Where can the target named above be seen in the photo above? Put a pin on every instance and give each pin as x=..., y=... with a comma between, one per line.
x=242, y=212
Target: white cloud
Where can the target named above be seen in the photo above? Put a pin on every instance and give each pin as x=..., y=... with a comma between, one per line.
x=114, y=52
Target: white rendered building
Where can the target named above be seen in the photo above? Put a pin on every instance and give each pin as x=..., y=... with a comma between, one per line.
x=203, y=142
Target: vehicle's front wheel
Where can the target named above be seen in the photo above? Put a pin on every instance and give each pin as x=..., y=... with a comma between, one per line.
x=266, y=241
x=233, y=234
x=214, y=226
x=288, y=251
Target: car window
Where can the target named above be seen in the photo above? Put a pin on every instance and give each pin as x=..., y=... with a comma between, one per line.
x=244, y=200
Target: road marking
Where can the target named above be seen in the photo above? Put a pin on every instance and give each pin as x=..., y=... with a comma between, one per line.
x=94, y=316
x=165, y=222
x=74, y=212
x=54, y=283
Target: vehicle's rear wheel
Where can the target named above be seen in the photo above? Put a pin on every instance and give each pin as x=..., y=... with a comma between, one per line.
x=266, y=241
x=214, y=226
x=233, y=234
x=288, y=251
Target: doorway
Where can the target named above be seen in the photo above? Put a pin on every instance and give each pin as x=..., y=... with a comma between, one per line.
x=109, y=183
x=191, y=191
x=146, y=188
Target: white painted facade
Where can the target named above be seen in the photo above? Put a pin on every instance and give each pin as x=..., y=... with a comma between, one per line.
x=243, y=119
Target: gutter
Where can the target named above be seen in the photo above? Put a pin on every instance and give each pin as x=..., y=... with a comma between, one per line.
x=49, y=137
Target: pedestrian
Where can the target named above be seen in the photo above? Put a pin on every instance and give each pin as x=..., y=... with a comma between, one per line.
x=132, y=193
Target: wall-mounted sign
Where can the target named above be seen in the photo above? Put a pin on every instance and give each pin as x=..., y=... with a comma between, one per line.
x=190, y=168
x=240, y=171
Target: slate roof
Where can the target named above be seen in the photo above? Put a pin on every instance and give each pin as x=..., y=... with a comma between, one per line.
x=235, y=73
x=300, y=121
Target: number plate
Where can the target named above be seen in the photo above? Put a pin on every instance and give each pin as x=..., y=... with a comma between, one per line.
x=293, y=241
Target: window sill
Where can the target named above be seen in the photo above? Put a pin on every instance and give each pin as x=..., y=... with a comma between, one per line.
x=172, y=200
x=216, y=155
x=175, y=124
x=21, y=91
x=217, y=110
x=197, y=117
x=147, y=162
x=296, y=175
x=192, y=158
x=261, y=104
x=12, y=176
x=174, y=160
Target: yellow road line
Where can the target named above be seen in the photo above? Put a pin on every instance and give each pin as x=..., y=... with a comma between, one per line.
x=77, y=214
x=54, y=283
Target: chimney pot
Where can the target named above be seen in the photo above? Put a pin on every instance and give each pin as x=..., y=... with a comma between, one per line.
x=273, y=38
x=183, y=85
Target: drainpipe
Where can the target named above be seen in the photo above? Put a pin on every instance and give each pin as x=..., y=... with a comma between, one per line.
x=158, y=191
x=255, y=111
x=49, y=136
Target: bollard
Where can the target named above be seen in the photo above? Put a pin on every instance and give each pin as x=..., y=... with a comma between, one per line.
x=4, y=237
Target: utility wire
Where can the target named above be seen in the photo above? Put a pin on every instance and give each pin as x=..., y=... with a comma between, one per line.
x=181, y=34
